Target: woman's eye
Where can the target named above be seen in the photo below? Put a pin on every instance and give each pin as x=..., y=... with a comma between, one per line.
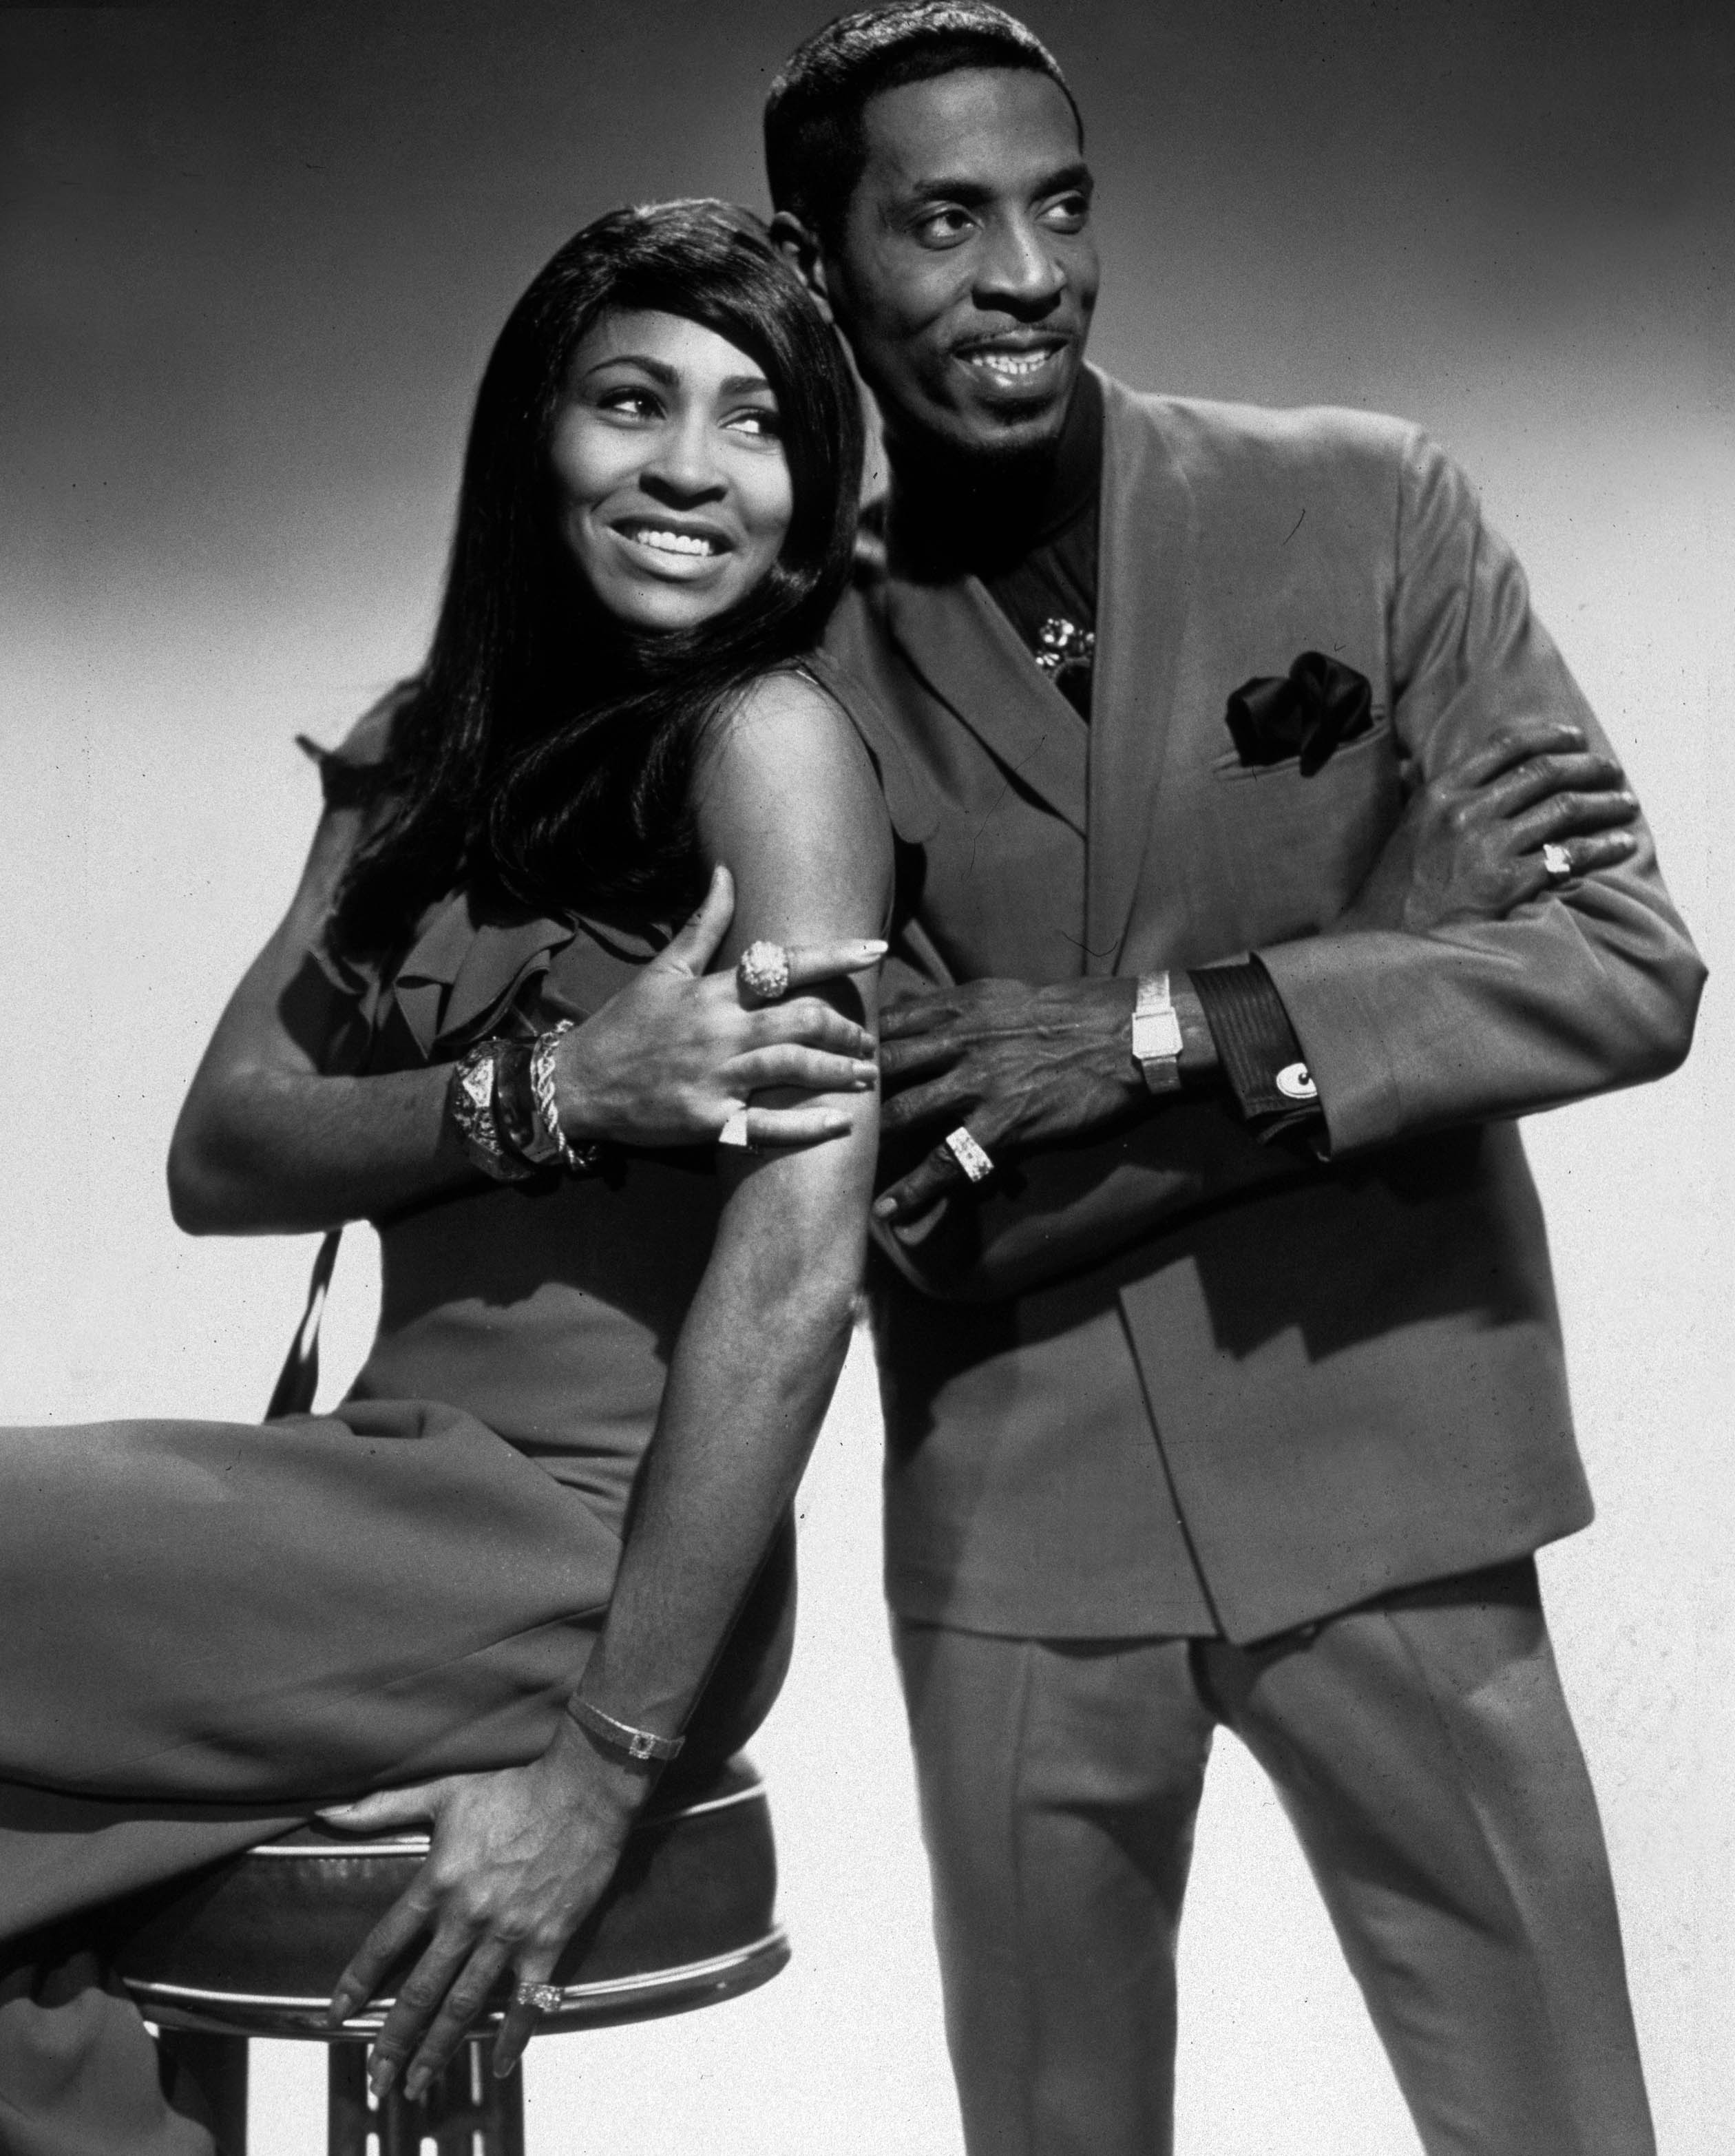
x=630, y=403
x=756, y=421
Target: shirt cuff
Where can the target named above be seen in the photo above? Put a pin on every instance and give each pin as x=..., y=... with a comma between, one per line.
x=1256, y=1046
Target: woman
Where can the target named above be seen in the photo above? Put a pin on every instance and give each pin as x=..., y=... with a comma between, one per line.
x=425, y=1593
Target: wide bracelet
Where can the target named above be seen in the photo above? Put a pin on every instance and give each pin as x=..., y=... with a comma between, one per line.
x=575, y=1159
x=640, y=1745
x=472, y=1105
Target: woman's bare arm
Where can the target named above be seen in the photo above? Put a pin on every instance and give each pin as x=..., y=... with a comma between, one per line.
x=273, y=1140
x=788, y=799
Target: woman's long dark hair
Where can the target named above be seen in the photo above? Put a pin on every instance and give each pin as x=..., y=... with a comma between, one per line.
x=543, y=753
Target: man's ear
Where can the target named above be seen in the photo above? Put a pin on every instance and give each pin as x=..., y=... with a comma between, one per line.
x=800, y=248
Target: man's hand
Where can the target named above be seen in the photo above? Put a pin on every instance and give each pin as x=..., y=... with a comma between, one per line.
x=1468, y=844
x=517, y=1861
x=1020, y=1065
x=670, y=1058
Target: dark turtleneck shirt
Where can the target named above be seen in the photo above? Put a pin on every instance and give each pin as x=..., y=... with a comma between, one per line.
x=1030, y=530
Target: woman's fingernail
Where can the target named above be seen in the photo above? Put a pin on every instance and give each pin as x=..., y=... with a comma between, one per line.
x=884, y=1207
x=865, y=1075
x=870, y=947
x=414, y=2087
x=379, y=2076
x=338, y=2011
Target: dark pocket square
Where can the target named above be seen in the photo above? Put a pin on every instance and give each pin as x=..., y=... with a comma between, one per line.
x=1305, y=712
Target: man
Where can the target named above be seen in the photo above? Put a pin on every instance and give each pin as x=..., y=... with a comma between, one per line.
x=1248, y=1404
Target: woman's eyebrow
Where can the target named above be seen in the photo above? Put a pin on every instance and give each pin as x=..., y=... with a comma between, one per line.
x=658, y=370
x=743, y=385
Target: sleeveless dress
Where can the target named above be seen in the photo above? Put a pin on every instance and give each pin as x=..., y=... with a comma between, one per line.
x=212, y=1628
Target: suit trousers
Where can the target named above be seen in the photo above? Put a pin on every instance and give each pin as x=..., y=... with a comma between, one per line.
x=1422, y=1748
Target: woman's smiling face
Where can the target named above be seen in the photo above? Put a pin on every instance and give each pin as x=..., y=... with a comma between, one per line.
x=672, y=489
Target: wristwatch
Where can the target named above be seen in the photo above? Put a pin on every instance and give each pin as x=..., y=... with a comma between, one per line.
x=1156, y=1034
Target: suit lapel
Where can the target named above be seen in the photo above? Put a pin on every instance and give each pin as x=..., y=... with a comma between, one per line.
x=1149, y=532
x=973, y=659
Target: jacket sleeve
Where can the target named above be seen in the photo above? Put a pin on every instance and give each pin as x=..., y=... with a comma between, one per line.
x=1574, y=993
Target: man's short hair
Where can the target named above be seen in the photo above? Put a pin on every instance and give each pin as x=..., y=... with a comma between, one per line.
x=815, y=144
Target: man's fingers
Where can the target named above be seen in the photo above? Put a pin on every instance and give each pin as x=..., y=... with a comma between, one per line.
x=694, y=948
x=790, y=1064
x=810, y=963
x=944, y=1096
x=1517, y=744
x=465, y=1999
x=1540, y=776
x=1566, y=815
x=1600, y=849
x=913, y=1015
x=916, y=1054
x=912, y=1195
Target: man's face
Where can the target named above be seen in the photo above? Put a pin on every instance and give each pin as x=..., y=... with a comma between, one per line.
x=966, y=273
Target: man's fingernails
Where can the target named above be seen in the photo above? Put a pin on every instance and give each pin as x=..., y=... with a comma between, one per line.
x=379, y=2076
x=865, y=1075
x=338, y=2011
x=414, y=2087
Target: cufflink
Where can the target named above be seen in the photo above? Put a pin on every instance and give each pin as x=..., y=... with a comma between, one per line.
x=1156, y=1034
x=1295, y=1082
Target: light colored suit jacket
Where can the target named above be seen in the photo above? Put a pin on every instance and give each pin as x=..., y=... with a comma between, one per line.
x=1336, y=1378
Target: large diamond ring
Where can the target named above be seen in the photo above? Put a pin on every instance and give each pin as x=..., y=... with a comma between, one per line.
x=734, y=1132
x=968, y=1155
x=1556, y=864
x=539, y=1998
x=762, y=969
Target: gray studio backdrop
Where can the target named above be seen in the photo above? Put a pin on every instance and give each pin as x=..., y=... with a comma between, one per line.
x=252, y=261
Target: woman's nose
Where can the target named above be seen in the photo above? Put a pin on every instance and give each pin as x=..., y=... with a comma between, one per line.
x=684, y=467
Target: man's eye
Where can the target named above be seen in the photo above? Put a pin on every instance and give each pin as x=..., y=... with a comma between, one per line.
x=942, y=228
x=1070, y=214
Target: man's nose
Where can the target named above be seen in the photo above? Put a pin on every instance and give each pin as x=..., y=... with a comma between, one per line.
x=1019, y=269
x=683, y=468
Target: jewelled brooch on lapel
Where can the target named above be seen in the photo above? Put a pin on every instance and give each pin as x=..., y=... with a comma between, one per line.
x=1306, y=713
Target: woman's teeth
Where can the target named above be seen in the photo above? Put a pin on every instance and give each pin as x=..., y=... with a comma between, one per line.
x=673, y=542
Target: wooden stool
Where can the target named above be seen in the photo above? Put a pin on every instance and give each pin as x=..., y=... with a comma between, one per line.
x=254, y=1947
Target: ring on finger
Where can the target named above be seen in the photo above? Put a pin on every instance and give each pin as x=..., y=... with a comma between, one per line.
x=539, y=1998
x=1556, y=863
x=762, y=970
x=734, y=1132
x=969, y=1156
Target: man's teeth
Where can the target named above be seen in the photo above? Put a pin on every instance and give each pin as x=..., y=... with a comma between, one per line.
x=673, y=542
x=1013, y=365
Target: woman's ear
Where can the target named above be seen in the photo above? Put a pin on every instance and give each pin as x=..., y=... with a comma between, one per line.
x=800, y=249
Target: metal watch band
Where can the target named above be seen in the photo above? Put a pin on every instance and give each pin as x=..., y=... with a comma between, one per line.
x=1156, y=1034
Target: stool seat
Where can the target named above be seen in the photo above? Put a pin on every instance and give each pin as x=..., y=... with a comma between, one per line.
x=254, y=1945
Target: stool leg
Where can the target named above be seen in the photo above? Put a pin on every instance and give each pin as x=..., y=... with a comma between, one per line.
x=465, y=2112
x=348, y=2116
x=218, y=2065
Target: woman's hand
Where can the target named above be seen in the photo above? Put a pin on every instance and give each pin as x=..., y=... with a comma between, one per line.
x=518, y=1859
x=673, y=1054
